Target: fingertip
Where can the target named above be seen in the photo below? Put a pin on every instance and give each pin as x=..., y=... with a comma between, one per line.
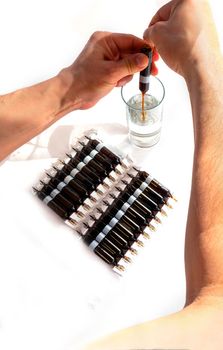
x=156, y=55
x=154, y=69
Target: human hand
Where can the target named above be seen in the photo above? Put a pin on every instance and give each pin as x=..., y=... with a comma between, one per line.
x=108, y=60
x=183, y=31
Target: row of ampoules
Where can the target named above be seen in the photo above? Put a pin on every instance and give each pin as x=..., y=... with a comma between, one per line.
x=107, y=200
x=79, y=176
x=134, y=211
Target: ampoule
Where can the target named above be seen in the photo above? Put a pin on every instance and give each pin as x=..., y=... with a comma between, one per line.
x=121, y=225
x=144, y=200
x=149, y=193
x=92, y=164
x=128, y=196
x=104, y=150
x=104, y=153
x=94, y=154
x=74, y=184
x=156, y=186
x=58, y=198
x=144, y=77
x=83, y=161
x=66, y=191
x=116, y=239
x=50, y=202
x=110, y=251
x=75, y=163
x=78, y=175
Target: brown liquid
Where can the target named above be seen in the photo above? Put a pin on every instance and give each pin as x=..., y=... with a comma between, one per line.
x=143, y=107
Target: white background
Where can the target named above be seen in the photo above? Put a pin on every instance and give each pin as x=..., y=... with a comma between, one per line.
x=54, y=294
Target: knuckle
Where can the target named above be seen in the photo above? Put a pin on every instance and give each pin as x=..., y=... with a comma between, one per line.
x=95, y=36
x=111, y=71
x=154, y=30
x=129, y=65
x=146, y=34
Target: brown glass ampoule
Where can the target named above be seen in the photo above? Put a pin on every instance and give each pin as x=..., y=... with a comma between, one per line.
x=144, y=77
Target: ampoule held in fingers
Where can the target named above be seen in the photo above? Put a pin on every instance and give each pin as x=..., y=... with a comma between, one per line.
x=144, y=77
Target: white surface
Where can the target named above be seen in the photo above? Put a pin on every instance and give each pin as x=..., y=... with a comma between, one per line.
x=54, y=294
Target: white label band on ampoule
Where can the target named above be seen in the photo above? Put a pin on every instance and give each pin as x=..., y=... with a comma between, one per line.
x=144, y=80
x=61, y=185
x=131, y=200
x=119, y=214
x=80, y=166
x=125, y=207
x=87, y=159
x=54, y=193
x=137, y=193
x=74, y=172
x=113, y=222
x=99, y=147
x=47, y=199
x=68, y=179
x=106, y=229
x=148, y=179
x=100, y=237
x=143, y=186
x=93, y=153
x=93, y=245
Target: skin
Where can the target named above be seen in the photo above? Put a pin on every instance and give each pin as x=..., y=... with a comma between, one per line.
x=184, y=34
x=108, y=60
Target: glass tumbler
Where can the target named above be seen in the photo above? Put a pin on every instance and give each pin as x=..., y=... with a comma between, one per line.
x=144, y=120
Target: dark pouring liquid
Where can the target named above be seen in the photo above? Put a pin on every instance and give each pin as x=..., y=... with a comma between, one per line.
x=143, y=107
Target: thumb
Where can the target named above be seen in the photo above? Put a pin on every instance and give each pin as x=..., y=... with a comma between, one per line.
x=131, y=64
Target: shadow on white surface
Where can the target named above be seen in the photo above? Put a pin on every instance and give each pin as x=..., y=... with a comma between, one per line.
x=56, y=141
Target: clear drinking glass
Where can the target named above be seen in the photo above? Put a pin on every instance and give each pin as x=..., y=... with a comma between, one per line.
x=144, y=126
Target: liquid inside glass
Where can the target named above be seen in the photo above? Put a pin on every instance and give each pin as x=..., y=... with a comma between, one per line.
x=144, y=128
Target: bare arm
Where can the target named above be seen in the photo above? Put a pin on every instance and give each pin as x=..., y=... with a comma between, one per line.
x=185, y=27
x=108, y=60
x=27, y=112
x=204, y=240
x=198, y=58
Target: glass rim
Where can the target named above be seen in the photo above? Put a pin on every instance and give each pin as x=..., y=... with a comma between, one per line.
x=146, y=108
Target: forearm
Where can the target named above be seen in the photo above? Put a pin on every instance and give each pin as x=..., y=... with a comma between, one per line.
x=199, y=326
x=27, y=112
x=204, y=242
x=108, y=60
